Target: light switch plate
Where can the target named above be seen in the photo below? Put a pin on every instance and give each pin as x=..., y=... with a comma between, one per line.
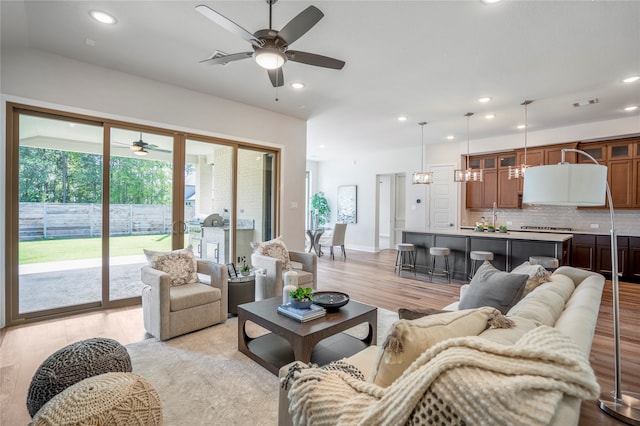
x=595, y=226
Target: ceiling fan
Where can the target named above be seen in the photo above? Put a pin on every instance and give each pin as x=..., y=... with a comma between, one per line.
x=271, y=47
x=142, y=148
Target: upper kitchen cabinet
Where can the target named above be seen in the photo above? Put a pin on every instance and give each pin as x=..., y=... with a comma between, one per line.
x=507, y=188
x=483, y=194
x=553, y=153
x=622, y=158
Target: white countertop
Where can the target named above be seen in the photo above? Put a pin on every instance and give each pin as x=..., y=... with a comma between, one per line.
x=515, y=235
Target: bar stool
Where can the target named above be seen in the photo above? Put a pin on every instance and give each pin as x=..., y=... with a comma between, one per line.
x=478, y=256
x=550, y=263
x=405, y=250
x=440, y=251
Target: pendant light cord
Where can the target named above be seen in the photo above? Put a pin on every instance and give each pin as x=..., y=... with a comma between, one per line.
x=468, y=115
x=526, y=127
x=422, y=123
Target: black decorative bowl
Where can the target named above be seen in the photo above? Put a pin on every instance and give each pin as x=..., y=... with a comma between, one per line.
x=330, y=300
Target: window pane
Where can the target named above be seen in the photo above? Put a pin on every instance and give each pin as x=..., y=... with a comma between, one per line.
x=140, y=205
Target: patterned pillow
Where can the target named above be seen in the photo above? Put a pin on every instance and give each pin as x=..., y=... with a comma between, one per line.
x=274, y=248
x=181, y=265
x=537, y=275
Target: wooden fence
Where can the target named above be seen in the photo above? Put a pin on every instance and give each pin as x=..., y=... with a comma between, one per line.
x=56, y=220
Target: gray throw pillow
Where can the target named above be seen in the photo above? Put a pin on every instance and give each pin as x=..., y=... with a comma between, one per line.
x=495, y=288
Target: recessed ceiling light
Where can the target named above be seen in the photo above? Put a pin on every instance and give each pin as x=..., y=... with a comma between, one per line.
x=322, y=146
x=402, y=118
x=297, y=85
x=521, y=126
x=489, y=1
x=631, y=79
x=631, y=108
x=103, y=17
x=450, y=137
x=490, y=116
x=485, y=99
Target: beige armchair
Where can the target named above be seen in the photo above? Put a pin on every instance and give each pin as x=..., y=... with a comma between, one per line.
x=170, y=311
x=269, y=284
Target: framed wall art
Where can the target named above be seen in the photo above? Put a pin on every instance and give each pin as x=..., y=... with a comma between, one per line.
x=348, y=204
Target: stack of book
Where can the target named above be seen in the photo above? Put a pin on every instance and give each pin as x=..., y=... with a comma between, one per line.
x=302, y=315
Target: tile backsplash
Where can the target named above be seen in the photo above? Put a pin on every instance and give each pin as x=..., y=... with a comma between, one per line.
x=627, y=221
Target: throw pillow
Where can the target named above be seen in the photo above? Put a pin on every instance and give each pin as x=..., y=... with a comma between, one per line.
x=408, y=339
x=537, y=275
x=273, y=248
x=495, y=288
x=415, y=313
x=181, y=265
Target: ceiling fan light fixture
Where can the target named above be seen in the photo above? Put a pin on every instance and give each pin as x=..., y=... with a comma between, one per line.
x=269, y=58
x=141, y=152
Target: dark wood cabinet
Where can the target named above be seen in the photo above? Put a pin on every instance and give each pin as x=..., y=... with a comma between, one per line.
x=583, y=251
x=603, y=255
x=507, y=190
x=634, y=258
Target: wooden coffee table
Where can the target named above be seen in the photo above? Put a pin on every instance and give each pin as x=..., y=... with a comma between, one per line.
x=320, y=340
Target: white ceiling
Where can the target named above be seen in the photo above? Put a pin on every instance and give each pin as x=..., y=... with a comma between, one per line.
x=429, y=60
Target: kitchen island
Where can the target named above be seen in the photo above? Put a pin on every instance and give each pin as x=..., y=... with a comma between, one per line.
x=510, y=249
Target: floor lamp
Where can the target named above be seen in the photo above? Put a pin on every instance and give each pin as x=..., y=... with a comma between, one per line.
x=567, y=184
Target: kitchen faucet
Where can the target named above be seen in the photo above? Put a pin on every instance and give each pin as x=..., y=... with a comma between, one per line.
x=494, y=214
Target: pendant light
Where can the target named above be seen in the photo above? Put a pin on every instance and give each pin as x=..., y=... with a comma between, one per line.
x=422, y=177
x=518, y=171
x=468, y=174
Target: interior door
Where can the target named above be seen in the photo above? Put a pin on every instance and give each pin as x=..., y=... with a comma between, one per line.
x=443, y=198
x=400, y=192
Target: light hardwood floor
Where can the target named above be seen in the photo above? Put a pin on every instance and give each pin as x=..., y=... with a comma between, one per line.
x=367, y=277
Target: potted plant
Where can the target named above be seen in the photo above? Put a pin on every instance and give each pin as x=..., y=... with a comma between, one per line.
x=491, y=228
x=301, y=298
x=245, y=269
x=321, y=209
x=502, y=228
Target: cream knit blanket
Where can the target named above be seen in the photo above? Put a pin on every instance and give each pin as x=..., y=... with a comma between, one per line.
x=466, y=380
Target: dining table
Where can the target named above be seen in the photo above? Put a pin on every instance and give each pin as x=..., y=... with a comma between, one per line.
x=314, y=236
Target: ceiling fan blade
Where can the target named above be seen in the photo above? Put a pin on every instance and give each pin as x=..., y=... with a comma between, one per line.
x=223, y=59
x=313, y=59
x=276, y=76
x=299, y=25
x=228, y=24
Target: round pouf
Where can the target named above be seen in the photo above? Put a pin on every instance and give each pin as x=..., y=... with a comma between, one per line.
x=109, y=399
x=72, y=364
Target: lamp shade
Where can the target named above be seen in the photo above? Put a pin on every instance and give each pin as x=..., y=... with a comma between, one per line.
x=566, y=185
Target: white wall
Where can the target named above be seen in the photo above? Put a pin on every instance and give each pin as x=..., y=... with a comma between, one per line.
x=362, y=171
x=43, y=79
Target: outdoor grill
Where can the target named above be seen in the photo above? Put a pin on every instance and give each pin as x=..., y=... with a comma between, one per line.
x=200, y=238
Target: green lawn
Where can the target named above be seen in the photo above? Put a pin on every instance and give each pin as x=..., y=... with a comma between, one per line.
x=89, y=248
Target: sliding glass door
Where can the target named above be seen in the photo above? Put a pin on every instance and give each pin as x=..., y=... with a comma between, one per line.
x=59, y=211
x=140, y=205
x=86, y=196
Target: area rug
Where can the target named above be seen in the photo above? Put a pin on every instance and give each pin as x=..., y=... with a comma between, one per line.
x=202, y=379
